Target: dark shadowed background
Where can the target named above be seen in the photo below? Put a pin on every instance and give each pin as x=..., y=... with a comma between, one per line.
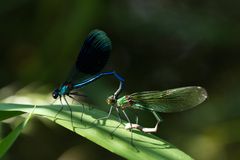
x=157, y=45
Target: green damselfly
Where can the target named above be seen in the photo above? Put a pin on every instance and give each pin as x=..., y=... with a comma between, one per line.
x=168, y=101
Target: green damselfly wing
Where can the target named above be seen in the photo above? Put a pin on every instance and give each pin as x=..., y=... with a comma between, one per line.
x=172, y=100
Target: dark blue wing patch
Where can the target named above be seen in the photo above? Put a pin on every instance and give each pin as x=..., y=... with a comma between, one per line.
x=94, y=53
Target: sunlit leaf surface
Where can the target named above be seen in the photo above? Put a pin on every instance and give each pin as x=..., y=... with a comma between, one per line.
x=146, y=146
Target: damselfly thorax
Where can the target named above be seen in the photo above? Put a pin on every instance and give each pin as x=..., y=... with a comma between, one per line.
x=122, y=103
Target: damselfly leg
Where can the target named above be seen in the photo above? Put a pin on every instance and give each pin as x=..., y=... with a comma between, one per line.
x=106, y=117
x=83, y=107
x=119, y=120
x=130, y=125
x=71, y=114
x=144, y=129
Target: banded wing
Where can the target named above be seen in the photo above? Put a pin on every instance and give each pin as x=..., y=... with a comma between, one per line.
x=172, y=100
x=92, y=57
x=94, y=53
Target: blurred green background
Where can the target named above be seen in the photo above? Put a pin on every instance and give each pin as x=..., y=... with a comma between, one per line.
x=156, y=45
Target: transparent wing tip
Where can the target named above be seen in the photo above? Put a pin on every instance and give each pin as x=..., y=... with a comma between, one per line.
x=203, y=93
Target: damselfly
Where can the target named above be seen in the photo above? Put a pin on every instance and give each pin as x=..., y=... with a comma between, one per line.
x=172, y=100
x=91, y=59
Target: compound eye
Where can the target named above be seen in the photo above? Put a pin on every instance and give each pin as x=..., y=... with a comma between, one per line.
x=110, y=100
x=55, y=94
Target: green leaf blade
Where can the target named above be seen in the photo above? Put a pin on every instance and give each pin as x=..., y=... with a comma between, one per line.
x=8, y=141
x=146, y=146
x=9, y=114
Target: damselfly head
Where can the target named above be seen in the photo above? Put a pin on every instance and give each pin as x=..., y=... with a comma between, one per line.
x=55, y=93
x=111, y=100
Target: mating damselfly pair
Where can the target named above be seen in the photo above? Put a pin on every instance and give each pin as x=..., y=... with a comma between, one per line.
x=92, y=58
